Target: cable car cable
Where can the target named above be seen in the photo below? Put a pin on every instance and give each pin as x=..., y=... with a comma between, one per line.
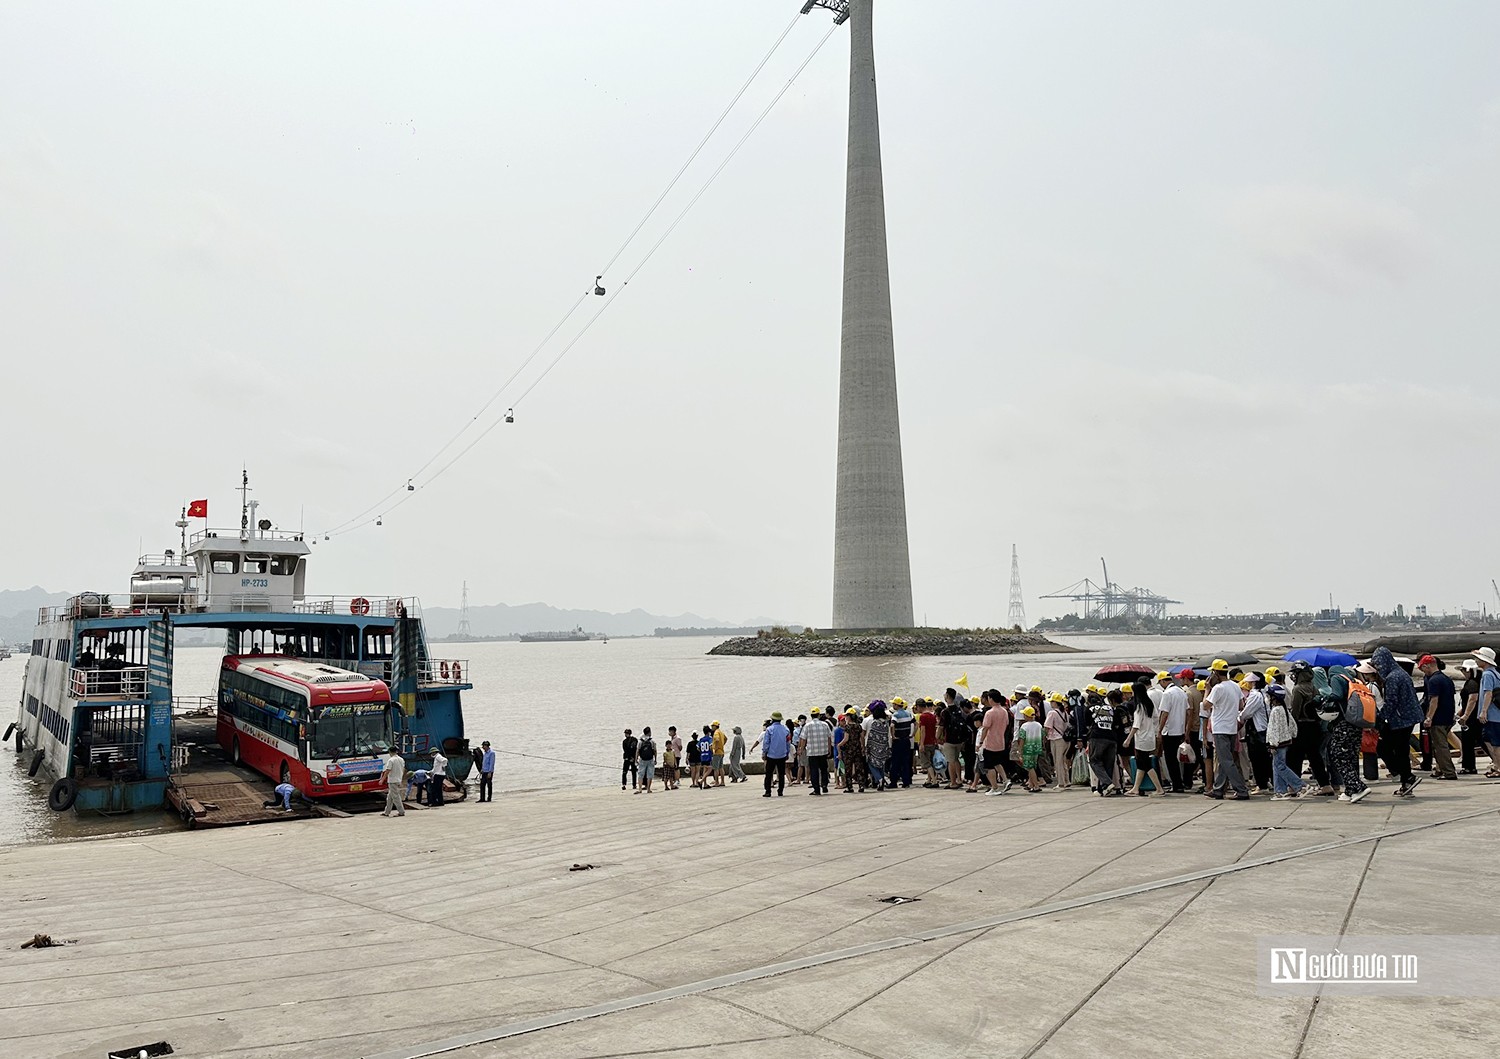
x=361, y=520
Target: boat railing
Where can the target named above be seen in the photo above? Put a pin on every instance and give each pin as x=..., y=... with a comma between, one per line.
x=167, y=559
x=85, y=610
x=376, y=606
x=194, y=705
x=233, y=534
x=444, y=671
x=128, y=682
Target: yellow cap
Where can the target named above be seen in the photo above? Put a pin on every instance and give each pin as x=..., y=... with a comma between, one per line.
x=974, y=700
x=898, y=701
x=1128, y=689
x=1202, y=685
x=1219, y=666
x=1029, y=711
x=815, y=712
x=1164, y=675
x=1037, y=688
x=1057, y=696
x=1272, y=672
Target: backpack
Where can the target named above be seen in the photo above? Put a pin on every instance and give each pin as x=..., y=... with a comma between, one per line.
x=647, y=750
x=1360, y=710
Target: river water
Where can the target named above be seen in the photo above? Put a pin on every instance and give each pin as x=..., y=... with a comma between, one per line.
x=557, y=711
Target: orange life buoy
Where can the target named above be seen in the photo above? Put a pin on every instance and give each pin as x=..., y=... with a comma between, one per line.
x=359, y=605
x=457, y=672
x=444, y=670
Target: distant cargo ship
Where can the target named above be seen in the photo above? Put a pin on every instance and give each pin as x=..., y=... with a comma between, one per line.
x=575, y=636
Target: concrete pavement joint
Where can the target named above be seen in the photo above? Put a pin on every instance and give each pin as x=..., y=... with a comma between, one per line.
x=525, y=1026
x=1312, y=1009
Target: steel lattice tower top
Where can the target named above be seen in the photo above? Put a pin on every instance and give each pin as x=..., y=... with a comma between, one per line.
x=871, y=558
x=1017, y=601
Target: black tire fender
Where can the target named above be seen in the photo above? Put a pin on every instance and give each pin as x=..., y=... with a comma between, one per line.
x=62, y=795
x=36, y=762
x=12, y=728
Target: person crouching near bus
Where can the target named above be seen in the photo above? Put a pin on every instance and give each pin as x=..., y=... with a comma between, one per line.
x=392, y=773
x=416, y=780
x=435, y=778
x=282, y=797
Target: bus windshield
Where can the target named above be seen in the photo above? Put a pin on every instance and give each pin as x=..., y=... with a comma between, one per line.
x=352, y=731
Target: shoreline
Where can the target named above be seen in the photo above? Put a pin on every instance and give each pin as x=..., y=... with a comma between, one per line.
x=934, y=643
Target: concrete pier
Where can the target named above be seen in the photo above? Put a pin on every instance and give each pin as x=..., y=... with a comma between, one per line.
x=452, y=931
x=871, y=561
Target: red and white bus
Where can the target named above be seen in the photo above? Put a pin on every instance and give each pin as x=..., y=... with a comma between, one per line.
x=321, y=729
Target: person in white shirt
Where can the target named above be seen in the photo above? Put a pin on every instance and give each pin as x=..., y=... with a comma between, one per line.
x=1224, y=700
x=1173, y=709
x=1254, y=716
x=1143, y=739
x=1157, y=690
x=393, y=775
x=435, y=776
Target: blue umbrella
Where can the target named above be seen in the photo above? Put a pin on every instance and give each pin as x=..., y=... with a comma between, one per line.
x=1321, y=657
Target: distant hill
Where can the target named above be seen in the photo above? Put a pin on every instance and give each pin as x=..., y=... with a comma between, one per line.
x=501, y=619
x=18, y=609
x=18, y=618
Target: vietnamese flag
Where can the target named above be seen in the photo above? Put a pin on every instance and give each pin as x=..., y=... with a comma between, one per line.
x=198, y=509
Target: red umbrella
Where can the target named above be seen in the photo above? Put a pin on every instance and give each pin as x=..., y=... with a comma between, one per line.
x=1124, y=672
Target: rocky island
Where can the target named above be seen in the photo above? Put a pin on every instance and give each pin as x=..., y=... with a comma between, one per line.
x=781, y=643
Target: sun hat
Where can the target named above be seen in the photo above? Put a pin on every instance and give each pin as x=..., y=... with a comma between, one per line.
x=1469, y=664
x=1366, y=668
x=776, y=715
x=1219, y=666
x=1485, y=655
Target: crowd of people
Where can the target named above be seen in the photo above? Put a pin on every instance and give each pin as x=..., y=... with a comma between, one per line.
x=1226, y=734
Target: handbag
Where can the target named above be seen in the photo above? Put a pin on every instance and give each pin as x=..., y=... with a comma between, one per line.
x=1185, y=753
x=1081, y=771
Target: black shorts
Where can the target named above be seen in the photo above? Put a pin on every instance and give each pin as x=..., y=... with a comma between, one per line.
x=993, y=759
x=1145, y=759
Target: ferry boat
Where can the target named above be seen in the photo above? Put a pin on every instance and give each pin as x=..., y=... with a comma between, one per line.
x=97, y=711
x=575, y=636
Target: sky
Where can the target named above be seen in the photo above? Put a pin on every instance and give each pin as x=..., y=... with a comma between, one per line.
x=1205, y=290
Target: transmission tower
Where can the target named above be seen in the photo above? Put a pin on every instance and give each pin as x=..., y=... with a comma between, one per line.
x=1017, y=602
x=463, y=614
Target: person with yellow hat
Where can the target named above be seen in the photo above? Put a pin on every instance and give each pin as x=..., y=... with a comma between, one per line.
x=1174, y=728
x=903, y=746
x=1033, y=739
x=716, y=758
x=1055, y=724
x=1224, y=701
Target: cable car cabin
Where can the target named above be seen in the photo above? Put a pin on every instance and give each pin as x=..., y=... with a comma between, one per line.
x=322, y=729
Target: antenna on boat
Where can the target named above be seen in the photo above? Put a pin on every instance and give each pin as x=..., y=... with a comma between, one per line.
x=244, y=504
x=182, y=525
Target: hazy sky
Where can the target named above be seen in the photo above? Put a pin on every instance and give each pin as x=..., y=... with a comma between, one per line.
x=1209, y=290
